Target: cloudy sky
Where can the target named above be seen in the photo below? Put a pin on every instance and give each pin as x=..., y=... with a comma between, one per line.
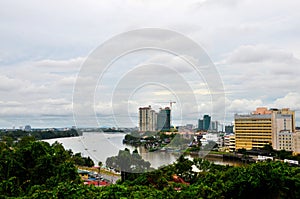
x=253, y=44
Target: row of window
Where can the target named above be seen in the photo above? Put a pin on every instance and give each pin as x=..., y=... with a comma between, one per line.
x=285, y=139
x=285, y=142
x=285, y=145
x=253, y=133
x=284, y=148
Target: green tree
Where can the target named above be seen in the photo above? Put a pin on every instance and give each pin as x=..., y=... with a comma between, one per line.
x=34, y=163
x=129, y=164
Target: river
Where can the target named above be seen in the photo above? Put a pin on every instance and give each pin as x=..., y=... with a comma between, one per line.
x=99, y=146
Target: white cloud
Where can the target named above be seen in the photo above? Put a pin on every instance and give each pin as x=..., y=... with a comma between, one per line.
x=243, y=105
x=291, y=100
x=43, y=46
x=260, y=54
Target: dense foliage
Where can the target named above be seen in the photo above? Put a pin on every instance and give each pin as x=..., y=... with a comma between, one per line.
x=37, y=134
x=262, y=180
x=34, y=169
x=130, y=164
x=30, y=165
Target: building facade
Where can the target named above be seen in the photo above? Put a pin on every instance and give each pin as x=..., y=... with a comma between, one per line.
x=205, y=123
x=200, y=125
x=153, y=121
x=282, y=128
x=262, y=127
x=252, y=131
x=147, y=119
x=229, y=142
x=284, y=140
x=296, y=143
x=229, y=129
x=164, y=119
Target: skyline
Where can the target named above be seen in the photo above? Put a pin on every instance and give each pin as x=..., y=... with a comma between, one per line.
x=253, y=44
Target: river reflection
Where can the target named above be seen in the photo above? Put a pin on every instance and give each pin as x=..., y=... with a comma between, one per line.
x=100, y=146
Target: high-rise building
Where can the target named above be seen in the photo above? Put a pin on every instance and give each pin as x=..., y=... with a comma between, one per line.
x=147, y=119
x=206, y=122
x=153, y=120
x=164, y=119
x=200, y=125
x=262, y=127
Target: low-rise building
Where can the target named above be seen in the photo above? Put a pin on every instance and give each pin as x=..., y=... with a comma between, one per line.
x=209, y=137
x=232, y=143
x=229, y=142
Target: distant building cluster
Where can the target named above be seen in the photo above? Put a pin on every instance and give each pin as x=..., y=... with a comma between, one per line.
x=206, y=124
x=150, y=120
x=276, y=127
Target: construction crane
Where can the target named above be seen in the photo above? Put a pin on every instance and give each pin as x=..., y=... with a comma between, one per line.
x=170, y=102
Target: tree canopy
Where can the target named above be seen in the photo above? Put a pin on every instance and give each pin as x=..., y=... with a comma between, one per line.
x=128, y=163
x=29, y=164
x=35, y=169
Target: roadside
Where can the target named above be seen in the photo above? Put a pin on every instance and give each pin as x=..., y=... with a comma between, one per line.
x=108, y=175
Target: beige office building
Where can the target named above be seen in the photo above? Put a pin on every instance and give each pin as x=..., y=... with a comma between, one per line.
x=262, y=127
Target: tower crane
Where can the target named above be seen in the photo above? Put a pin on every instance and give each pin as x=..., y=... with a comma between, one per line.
x=170, y=102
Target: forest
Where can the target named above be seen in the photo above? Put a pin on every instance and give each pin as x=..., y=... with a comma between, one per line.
x=36, y=169
x=13, y=135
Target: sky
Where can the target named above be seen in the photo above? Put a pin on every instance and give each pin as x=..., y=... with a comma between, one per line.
x=253, y=45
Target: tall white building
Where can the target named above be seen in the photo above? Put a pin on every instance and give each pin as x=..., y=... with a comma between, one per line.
x=147, y=119
x=153, y=121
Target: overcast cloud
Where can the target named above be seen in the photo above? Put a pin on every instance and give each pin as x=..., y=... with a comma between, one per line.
x=254, y=44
